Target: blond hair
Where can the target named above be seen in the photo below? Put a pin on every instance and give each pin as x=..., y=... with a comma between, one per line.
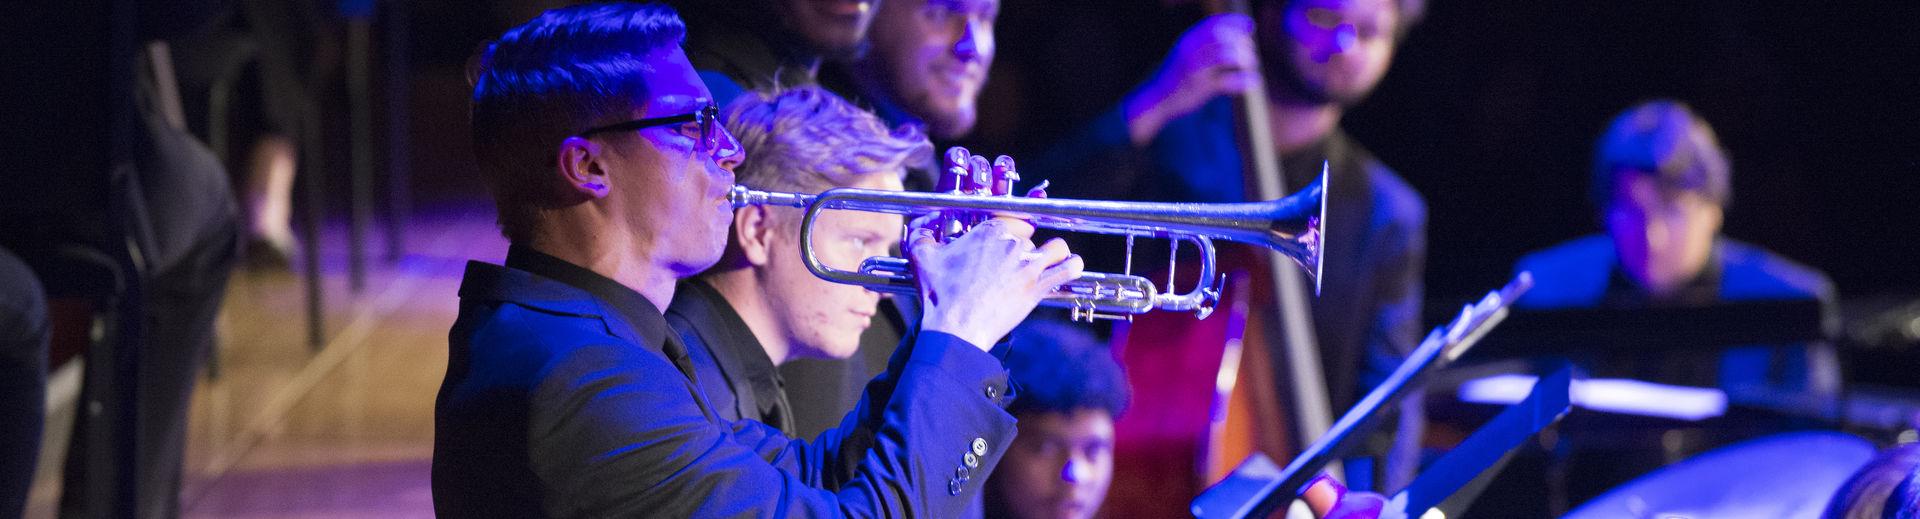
x=807, y=139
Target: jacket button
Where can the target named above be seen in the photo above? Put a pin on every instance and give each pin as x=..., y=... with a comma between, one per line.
x=953, y=486
x=973, y=462
x=992, y=392
x=979, y=446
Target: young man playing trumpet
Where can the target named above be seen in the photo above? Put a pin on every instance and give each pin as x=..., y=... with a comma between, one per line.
x=759, y=306
x=568, y=395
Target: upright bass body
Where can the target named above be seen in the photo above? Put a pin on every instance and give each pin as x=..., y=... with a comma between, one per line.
x=1228, y=399
x=1204, y=396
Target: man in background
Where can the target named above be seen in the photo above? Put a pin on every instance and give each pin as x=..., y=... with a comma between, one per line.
x=925, y=65
x=762, y=44
x=1173, y=138
x=1071, y=390
x=1662, y=183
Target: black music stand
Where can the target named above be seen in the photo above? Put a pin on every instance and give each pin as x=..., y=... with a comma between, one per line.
x=1451, y=483
x=1256, y=489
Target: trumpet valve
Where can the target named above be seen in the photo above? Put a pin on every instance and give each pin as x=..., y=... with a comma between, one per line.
x=1004, y=176
x=981, y=175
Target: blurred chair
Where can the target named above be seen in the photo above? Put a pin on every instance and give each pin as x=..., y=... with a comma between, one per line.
x=125, y=218
x=218, y=62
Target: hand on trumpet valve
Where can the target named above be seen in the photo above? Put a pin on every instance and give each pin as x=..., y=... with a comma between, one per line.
x=981, y=284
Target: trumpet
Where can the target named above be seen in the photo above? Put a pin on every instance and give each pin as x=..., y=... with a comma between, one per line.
x=1289, y=226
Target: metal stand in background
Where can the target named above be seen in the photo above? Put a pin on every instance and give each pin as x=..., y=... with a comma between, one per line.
x=399, y=172
x=361, y=15
x=315, y=186
x=359, y=137
x=1452, y=482
x=1260, y=493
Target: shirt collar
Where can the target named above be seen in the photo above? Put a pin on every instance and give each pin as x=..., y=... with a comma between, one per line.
x=631, y=307
x=703, y=309
x=707, y=310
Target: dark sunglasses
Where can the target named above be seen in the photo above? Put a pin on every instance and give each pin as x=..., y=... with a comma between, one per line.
x=708, y=117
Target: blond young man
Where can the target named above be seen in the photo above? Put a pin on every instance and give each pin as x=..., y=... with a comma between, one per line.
x=759, y=307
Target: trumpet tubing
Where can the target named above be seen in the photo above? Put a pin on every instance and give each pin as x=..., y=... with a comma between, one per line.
x=1289, y=226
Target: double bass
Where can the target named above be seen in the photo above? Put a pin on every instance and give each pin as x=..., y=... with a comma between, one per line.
x=1207, y=393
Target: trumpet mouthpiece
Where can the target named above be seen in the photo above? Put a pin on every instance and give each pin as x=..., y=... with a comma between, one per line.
x=740, y=196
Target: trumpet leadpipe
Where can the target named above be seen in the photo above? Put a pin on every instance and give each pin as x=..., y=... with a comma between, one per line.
x=741, y=196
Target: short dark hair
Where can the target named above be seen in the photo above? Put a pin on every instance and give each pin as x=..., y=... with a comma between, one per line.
x=549, y=78
x=1059, y=368
x=1664, y=139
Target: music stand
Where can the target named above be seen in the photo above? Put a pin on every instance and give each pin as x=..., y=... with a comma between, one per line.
x=1256, y=490
x=1451, y=483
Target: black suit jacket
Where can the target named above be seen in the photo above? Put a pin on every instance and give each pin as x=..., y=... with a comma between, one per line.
x=573, y=399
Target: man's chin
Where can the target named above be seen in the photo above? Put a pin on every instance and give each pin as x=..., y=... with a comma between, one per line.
x=706, y=260
x=1069, y=511
x=840, y=352
x=840, y=49
x=950, y=123
x=948, y=131
x=1346, y=95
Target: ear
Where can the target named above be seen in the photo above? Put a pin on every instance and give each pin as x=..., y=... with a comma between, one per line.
x=583, y=167
x=753, y=229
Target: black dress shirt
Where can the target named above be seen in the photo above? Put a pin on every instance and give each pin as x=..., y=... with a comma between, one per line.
x=730, y=364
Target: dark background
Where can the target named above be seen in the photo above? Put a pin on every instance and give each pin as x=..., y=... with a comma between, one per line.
x=1493, y=106
x=1490, y=110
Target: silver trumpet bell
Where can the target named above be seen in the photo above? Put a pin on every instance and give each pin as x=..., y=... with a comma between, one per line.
x=1290, y=226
